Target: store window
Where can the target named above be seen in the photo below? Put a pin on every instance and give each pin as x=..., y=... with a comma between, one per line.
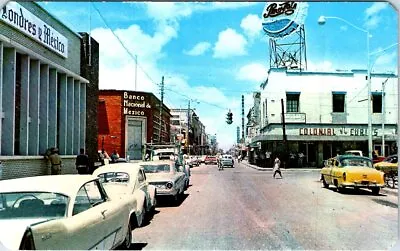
x=377, y=103
x=338, y=102
x=292, y=102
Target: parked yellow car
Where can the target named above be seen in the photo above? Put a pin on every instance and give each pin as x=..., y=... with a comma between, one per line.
x=352, y=171
x=388, y=165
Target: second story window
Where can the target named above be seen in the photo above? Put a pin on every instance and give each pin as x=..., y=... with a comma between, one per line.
x=376, y=102
x=338, y=101
x=292, y=102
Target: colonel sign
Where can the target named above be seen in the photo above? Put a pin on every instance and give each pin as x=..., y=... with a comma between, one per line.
x=281, y=19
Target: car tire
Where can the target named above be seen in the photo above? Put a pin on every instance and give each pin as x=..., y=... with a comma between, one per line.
x=128, y=239
x=341, y=189
x=326, y=185
x=142, y=218
x=375, y=190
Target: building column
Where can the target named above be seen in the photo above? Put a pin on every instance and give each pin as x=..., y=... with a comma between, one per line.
x=320, y=154
x=34, y=93
x=1, y=93
x=70, y=116
x=77, y=131
x=52, y=108
x=8, y=101
x=44, y=109
x=62, y=114
x=83, y=116
x=24, y=115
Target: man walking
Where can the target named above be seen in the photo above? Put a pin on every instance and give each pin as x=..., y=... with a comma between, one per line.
x=82, y=162
x=55, y=161
x=277, y=167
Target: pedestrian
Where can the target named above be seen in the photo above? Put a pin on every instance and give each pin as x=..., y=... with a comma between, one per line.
x=55, y=161
x=267, y=158
x=82, y=162
x=277, y=167
x=147, y=157
x=114, y=156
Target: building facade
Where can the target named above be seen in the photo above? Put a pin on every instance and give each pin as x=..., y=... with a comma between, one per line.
x=128, y=120
x=325, y=113
x=43, y=91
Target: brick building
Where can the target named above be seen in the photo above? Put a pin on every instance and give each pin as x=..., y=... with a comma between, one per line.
x=127, y=120
x=48, y=91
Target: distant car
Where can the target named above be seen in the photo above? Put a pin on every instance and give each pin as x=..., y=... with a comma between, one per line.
x=351, y=171
x=194, y=161
x=129, y=180
x=210, y=160
x=163, y=154
x=62, y=212
x=168, y=178
x=388, y=166
x=226, y=160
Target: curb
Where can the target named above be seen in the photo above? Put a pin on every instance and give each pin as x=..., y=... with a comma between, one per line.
x=286, y=169
x=392, y=191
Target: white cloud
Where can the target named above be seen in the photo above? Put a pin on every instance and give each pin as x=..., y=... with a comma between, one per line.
x=254, y=72
x=388, y=59
x=372, y=16
x=251, y=24
x=198, y=49
x=229, y=44
x=320, y=66
x=344, y=28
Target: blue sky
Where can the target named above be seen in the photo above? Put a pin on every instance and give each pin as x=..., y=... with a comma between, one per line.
x=212, y=53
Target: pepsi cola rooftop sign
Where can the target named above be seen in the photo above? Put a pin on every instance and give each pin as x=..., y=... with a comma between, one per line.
x=280, y=19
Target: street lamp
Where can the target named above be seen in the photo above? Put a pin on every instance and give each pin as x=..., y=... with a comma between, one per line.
x=322, y=21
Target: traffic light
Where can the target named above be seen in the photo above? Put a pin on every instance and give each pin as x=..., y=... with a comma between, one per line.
x=229, y=119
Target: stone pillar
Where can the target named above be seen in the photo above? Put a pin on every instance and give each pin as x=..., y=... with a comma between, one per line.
x=52, y=109
x=70, y=116
x=1, y=92
x=24, y=104
x=34, y=93
x=320, y=154
x=62, y=113
x=8, y=102
x=44, y=109
x=77, y=118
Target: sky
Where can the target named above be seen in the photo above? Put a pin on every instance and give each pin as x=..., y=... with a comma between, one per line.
x=211, y=54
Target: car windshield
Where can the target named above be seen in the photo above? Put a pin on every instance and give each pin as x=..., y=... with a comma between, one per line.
x=160, y=168
x=120, y=177
x=354, y=162
x=32, y=205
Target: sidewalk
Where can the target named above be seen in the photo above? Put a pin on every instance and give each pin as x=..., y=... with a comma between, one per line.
x=385, y=190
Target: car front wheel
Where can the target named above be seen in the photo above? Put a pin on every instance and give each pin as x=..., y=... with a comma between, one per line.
x=128, y=238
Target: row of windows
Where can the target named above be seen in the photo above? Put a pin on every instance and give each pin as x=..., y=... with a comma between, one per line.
x=338, y=103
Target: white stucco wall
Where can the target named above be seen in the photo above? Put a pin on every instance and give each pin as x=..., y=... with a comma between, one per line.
x=316, y=95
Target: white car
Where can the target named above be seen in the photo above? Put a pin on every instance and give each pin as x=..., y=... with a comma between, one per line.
x=62, y=212
x=169, y=178
x=129, y=179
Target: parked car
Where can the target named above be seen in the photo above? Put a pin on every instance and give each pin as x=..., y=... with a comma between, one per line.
x=62, y=212
x=375, y=158
x=389, y=167
x=168, y=178
x=210, y=160
x=193, y=161
x=129, y=180
x=351, y=171
x=226, y=160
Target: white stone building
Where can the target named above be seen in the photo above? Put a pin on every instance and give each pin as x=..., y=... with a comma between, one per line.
x=326, y=112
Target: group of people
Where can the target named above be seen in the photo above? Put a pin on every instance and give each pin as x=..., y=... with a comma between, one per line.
x=82, y=162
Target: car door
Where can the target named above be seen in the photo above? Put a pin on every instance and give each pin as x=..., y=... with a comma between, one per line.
x=144, y=186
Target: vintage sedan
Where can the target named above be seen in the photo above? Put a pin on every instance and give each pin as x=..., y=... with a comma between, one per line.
x=227, y=160
x=169, y=178
x=129, y=180
x=352, y=171
x=62, y=212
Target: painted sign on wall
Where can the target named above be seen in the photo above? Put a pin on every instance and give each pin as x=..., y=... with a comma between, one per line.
x=134, y=104
x=23, y=20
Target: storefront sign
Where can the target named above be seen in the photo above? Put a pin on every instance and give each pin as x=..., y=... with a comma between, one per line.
x=295, y=118
x=133, y=104
x=280, y=19
x=336, y=132
x=23, y=20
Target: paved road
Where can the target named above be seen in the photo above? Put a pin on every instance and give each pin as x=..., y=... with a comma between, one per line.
x=242, y=208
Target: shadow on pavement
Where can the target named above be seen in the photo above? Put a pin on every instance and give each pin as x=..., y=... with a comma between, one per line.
x=386, y=203
x=352, y=191
x=137, y=246
x=169, y=202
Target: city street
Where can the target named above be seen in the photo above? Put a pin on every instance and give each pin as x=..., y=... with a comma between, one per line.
x=243, y=208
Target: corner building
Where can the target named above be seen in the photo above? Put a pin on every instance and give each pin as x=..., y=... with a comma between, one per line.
x=43, y=94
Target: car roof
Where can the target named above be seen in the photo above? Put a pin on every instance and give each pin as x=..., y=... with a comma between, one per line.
x=156, y=162
x=341, y=157
x=130, y=168
x=67, y=184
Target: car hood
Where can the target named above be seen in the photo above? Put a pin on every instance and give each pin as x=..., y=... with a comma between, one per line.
x=12, y=231
x=154, y=177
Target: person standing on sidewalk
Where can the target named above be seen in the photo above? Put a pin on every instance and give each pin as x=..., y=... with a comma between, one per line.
x=277, y=167
x=82, y=162
x=55, y=161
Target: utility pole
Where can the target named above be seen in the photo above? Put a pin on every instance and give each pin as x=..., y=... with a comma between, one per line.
x=283, y=125
x=188, y=128
x=243, y=119
x=383, y=118
x=161, y=107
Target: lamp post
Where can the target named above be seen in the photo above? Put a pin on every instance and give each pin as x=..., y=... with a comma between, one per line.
x=383, y=117
x=322, y=21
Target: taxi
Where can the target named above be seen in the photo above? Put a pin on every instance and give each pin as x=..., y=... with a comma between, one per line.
x=345, y=171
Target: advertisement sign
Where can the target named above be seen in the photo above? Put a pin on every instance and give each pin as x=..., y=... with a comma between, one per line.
x=23, y=20
x=280, y=19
